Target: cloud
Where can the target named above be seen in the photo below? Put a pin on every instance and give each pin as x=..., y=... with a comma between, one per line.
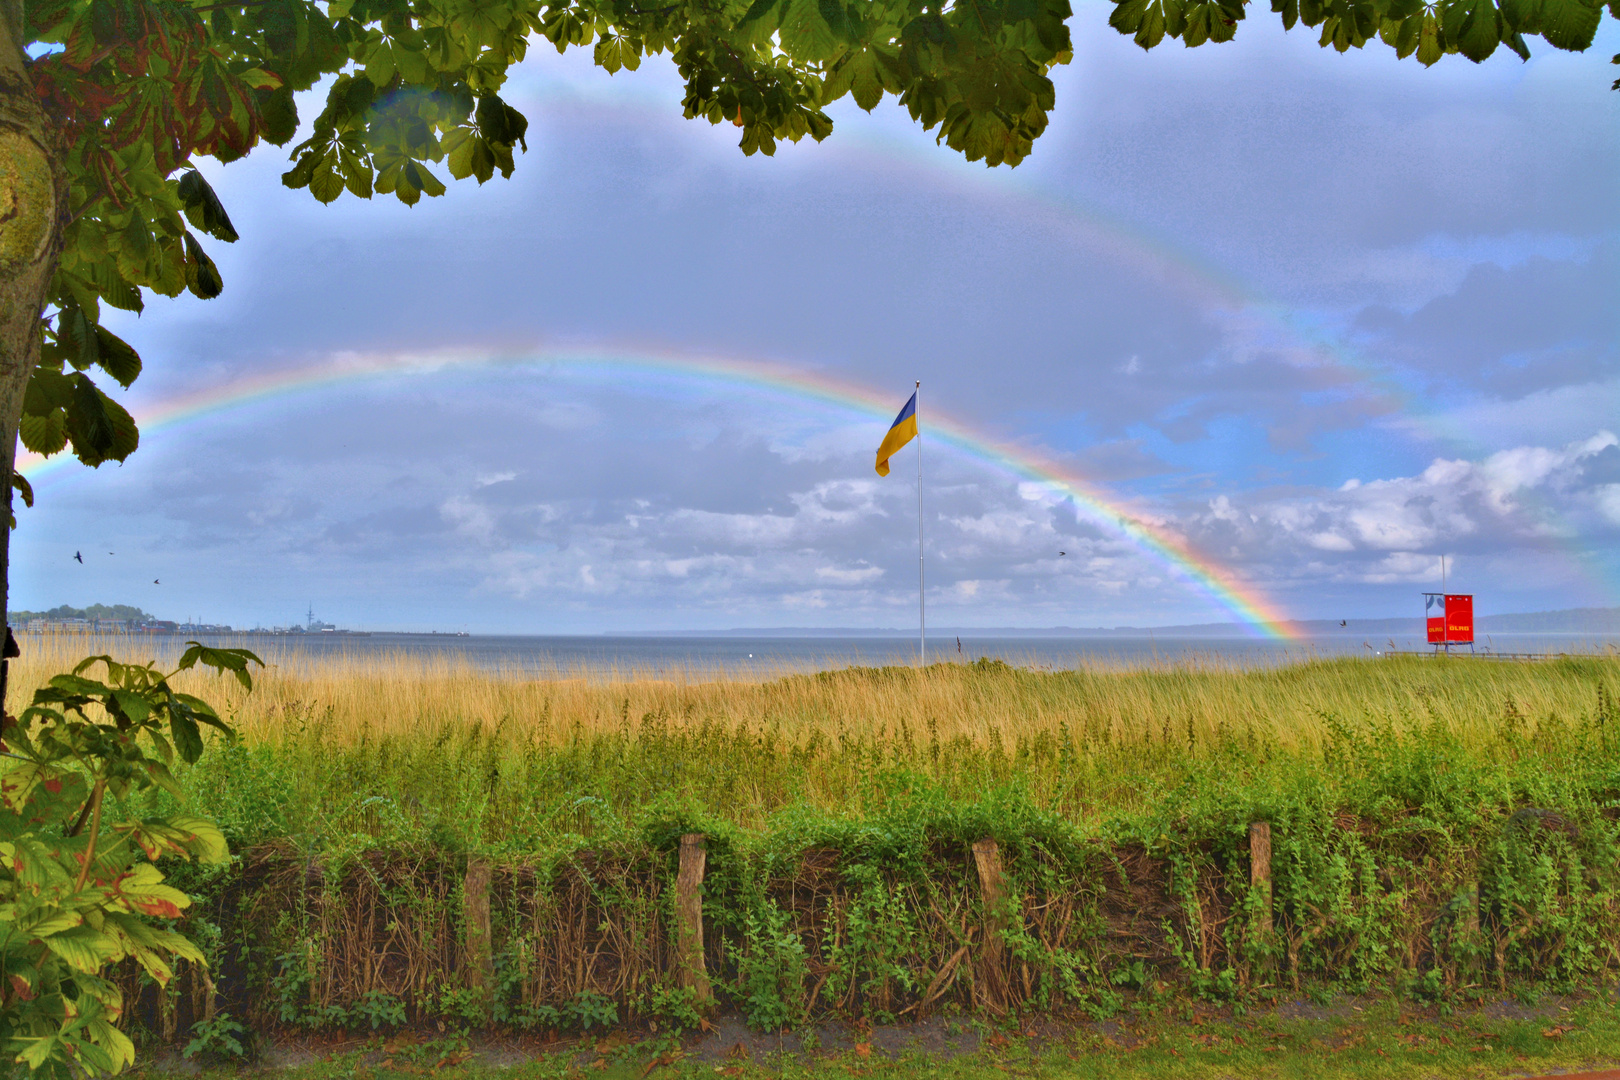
x=1394, y=529
x=1515, y=330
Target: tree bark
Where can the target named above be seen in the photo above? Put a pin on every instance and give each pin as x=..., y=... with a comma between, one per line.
x=34, y=214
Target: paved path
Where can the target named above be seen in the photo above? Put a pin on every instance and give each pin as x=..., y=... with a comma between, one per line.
x=1606, y=1074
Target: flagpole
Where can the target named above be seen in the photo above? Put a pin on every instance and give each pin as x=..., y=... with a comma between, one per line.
x=922, y=622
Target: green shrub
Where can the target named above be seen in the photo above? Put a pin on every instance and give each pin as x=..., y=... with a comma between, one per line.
x=79, y=884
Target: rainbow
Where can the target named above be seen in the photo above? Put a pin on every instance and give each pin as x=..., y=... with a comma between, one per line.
x=1091, y=503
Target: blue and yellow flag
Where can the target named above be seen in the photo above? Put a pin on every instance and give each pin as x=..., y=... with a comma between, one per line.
x=903, y=431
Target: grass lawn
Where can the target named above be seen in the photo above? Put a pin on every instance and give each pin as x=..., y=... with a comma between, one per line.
x=1297, y=1041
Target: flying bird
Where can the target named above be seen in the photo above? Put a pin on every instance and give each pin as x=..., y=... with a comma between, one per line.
x=1062, y=553
x=1343, y=623
x=155, y=581
x=80, y=557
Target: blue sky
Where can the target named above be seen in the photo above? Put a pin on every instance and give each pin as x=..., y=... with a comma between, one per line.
x=1326, y=317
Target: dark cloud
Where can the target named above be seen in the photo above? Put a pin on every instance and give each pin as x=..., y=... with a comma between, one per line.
x=1537, y=314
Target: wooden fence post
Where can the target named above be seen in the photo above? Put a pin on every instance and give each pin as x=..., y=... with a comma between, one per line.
x=478, y=965
x=991, y=983
x=691, y=971
x=1260, y=873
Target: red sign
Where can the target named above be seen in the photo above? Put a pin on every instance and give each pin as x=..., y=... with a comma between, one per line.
x=1460, y=618
x=1449, y=618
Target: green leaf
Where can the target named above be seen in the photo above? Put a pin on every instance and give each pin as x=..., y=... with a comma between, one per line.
x=202, y=276
x=35, y=1051
x=203, y=208
x=356, y=172
x=104, y=277
x=141, y=889
x=205, y=841
x=135, y=706
x=758, y=11
x=99, y=428
x=235, y=661
x=1523, y=15
x=134, y=247
x=459, y=145
x=325, y=183
x=859, y=74
x=423, y=179
x=48, y=922
x=1570, y=24
x=80, y=686
x=115, y=357
x=1476, y=33
x=805, y=33
x=45, y=434
x=18, y=782
x=187, y=738
x=380, y=66
x=84, y=948
x=300, y=174
x=499, y=122
x=279, y=111
x=1430, y=47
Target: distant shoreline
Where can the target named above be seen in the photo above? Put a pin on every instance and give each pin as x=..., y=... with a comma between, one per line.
x=1597, y=622
x=1604, y=621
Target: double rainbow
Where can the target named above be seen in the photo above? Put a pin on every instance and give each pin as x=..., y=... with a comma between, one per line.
x=1091, y=503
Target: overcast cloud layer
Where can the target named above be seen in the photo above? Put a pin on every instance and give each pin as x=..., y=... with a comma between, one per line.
x=1327, y=318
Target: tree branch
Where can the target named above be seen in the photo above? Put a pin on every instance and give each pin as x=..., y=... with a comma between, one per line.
x=95, y=831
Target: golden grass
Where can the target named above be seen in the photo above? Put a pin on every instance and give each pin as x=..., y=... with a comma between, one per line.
x=399, y=695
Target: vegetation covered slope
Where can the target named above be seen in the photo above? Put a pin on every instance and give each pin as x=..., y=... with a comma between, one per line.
x=1438, y=828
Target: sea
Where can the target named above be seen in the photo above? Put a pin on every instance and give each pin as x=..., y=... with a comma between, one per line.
x=737, y=655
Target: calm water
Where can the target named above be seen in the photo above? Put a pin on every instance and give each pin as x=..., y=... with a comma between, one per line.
x=764, y=655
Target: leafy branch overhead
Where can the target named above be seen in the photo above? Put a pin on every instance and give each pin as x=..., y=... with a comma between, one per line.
x=1474, y=28
x=141, y=88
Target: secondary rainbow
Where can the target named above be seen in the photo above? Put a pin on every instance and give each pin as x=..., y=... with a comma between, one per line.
x=1205, y=576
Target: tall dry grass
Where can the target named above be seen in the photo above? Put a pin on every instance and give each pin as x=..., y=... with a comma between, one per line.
x=368, y=743
x=362, y=697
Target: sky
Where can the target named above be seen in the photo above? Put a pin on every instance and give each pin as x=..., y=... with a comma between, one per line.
x=1259, y=331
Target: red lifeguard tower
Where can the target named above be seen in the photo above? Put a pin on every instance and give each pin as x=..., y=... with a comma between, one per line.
x=1450, y=618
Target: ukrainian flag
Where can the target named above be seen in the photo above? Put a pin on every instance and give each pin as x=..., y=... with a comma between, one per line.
x=902, y=432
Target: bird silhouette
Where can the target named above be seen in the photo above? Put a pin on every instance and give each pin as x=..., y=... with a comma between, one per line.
x=1342, y=623
x=155, y=581
x=80, y=557
x=1062, y=553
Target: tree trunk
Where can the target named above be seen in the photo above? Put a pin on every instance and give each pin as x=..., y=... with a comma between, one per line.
x=34, y=211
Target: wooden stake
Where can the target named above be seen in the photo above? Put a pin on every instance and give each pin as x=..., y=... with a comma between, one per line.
x=1260, y=872
x=691, y=971
x=478, y=964
x=992, y=978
